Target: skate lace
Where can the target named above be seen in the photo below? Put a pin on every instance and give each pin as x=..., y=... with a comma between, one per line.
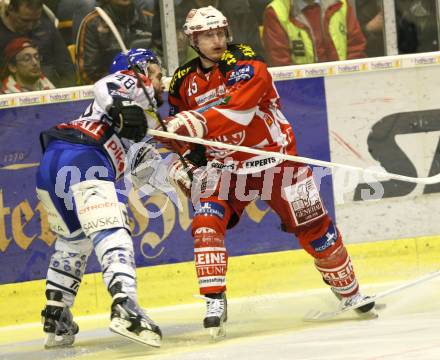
x=214, y=307
x=353, y=300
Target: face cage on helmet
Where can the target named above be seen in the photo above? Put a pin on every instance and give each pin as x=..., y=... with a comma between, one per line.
x=142, y=66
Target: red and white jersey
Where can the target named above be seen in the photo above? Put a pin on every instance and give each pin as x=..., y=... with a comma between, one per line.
x=241, y=105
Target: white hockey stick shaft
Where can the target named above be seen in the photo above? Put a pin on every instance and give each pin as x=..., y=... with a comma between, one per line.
x=112, y=27
x=381, y=174
x=314, y=315
x=121, y=43
x=409, y=284
x=304, y=160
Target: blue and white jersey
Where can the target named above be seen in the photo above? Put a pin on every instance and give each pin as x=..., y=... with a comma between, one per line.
x=88, y=148
x=94, y=128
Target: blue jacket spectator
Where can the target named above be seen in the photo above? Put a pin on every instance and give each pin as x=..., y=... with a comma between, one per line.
x=26, y=18
x=97, y=46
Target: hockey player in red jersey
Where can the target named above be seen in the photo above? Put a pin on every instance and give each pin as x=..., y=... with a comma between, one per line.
x=227, y=94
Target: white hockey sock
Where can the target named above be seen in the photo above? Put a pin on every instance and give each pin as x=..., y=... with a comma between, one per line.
x=67, y=266
x=114, y=250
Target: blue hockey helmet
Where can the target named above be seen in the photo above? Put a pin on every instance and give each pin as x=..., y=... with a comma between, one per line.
x=138, y=57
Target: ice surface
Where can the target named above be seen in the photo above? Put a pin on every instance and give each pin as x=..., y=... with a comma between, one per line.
x=264, y=327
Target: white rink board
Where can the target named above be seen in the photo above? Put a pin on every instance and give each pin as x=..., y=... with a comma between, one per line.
x=358, y=93
x=354, y=104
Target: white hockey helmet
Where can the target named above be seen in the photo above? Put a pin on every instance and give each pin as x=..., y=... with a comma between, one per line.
x=202, y=19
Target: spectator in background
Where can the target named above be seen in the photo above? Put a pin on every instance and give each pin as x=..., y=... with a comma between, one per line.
x=243, y=24
x=145, y=5
x=26, y=18
x=416, y=26
x=258, y=7
x=70, y=14
x=370, y=16
x=309, y=31
x=182, y=43
x=22, y=71
x=96, y=44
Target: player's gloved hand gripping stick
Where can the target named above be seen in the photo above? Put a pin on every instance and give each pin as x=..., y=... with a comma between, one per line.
x=118, y=37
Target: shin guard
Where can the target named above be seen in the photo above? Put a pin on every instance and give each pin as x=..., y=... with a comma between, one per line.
x=114, y=250
x=67, y=266
x=337, y=271
x=211, y=260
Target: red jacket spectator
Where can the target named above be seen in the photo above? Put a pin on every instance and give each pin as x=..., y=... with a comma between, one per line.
x=27, y=18
x=279, y=48
x=23, y=70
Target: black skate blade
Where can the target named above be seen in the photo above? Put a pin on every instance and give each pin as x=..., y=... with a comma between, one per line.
x=119, y=326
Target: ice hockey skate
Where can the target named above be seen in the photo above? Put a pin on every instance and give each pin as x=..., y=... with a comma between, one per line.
x=363, y=305
x=57, y=321
x=216, y=315
x=366, y=311
x=129, y=320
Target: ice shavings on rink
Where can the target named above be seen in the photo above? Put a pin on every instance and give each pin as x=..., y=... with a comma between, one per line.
x=263, y=327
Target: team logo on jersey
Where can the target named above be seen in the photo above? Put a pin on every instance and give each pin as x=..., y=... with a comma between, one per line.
x=305, y=202
x=211, y=208
x=327, y=240
x=241, y=73
x=210, y=95
x=117, y=153
x=116, y=90
x=233, y=139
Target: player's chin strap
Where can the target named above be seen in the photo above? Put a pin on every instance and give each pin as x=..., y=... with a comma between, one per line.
x=202, y=55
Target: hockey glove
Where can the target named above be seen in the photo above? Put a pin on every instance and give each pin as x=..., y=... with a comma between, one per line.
x=205, y=179
x=145, y=163
x=187, y=123
x=195, y=158
x=178, y=175
x=129, y=120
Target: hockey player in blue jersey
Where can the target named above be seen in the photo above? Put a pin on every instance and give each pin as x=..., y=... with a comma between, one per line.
x=76, y=184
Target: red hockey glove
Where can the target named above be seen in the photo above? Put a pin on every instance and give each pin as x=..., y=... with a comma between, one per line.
x=187, y=123
x=178, y=175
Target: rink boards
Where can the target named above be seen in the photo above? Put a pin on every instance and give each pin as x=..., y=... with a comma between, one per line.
x=365, y=113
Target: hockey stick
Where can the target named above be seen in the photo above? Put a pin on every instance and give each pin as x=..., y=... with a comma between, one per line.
x=316, y=315
x=124, y=49
x=304, y=160
x=382, y=174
